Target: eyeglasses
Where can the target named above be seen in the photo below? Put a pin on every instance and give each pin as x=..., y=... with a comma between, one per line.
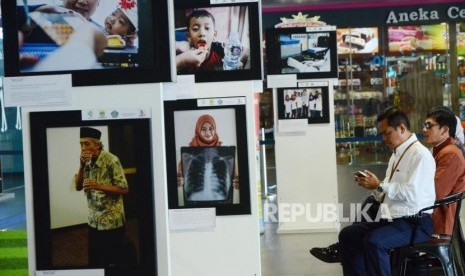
x=429, y=125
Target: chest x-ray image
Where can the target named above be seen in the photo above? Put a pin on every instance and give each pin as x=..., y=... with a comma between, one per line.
x=208, y=173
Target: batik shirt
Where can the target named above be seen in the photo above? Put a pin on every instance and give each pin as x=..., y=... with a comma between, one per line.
x=106, y=211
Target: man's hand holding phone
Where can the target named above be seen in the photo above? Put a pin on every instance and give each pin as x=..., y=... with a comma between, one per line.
x=366, y=179
x=360, y=174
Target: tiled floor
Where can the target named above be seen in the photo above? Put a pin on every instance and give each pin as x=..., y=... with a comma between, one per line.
x=288, y=254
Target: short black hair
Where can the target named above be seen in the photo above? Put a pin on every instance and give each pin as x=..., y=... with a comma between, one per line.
x=395, y=117
x=444, y=116
x=198, y=14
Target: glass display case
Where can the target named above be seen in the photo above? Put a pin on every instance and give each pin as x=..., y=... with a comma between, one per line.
x=358, y=97
x=460, y=28
x=411, y=68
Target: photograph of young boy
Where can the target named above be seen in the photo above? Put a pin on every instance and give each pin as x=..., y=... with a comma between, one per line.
x=121, y=25
x=85, y=31
x=204, y=48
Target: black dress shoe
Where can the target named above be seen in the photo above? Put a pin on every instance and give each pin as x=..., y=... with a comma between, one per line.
x=328, y=254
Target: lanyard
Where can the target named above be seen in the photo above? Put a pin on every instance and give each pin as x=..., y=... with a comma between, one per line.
x=398, y=161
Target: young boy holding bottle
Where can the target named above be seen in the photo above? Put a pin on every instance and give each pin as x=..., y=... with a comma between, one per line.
x=201, y=52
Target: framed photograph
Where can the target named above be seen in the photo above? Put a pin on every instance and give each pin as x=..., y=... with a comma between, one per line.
x=93, y=193
x=311, y=103
x=63, y=37
x=308, y=52
x=217, y=42
x=206, y=154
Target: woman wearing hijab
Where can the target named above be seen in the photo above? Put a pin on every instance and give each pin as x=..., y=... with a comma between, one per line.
x=205, y=136
x=205, y=133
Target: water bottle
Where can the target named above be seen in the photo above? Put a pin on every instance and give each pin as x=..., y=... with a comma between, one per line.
x=232, y=52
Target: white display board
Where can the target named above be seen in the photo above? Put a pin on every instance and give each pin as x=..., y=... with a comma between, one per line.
x=178, y=253
x=306, y=174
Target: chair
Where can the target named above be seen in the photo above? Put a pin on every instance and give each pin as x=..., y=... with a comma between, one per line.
x=459, y=255
x=441, y=248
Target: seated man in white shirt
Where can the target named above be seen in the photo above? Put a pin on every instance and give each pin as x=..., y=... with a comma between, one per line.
x=408, y=187
x=331, y=254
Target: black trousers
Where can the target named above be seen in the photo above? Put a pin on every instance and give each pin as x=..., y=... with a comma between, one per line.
x=105, y=246
x=365, y=246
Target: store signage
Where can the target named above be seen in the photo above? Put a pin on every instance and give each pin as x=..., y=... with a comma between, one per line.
x=300, y=20
x=424, y=15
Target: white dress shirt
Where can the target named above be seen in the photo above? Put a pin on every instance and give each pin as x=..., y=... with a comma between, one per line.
x=412, y=185
x=459, y=130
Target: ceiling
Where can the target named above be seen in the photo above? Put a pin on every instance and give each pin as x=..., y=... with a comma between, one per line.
x=267, y=3
x=287, y=3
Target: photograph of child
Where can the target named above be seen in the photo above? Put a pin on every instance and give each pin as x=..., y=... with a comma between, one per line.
x=212, y=39
x=121, y=25
x=76, y=35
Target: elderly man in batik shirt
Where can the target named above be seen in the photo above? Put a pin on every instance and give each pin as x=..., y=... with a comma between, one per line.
x=102, y=178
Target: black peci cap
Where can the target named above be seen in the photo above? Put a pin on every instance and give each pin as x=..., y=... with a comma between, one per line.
x=88, y=132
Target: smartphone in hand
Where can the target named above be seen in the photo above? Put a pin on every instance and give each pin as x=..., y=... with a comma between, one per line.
x=360, y=174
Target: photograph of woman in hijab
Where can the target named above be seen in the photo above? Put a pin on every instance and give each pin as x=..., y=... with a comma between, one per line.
x=206, y=153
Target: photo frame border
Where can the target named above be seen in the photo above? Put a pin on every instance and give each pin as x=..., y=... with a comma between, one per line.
x=155, y=48
x=170, y=107
x=255, y=71
x=325, y=103
x=39, y=123
x=273, y=51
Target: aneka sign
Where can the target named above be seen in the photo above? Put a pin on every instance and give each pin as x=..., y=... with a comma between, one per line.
x=421, y=14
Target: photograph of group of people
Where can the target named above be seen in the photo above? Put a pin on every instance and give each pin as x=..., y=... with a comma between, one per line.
x=52, y=32
x=302, y=103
